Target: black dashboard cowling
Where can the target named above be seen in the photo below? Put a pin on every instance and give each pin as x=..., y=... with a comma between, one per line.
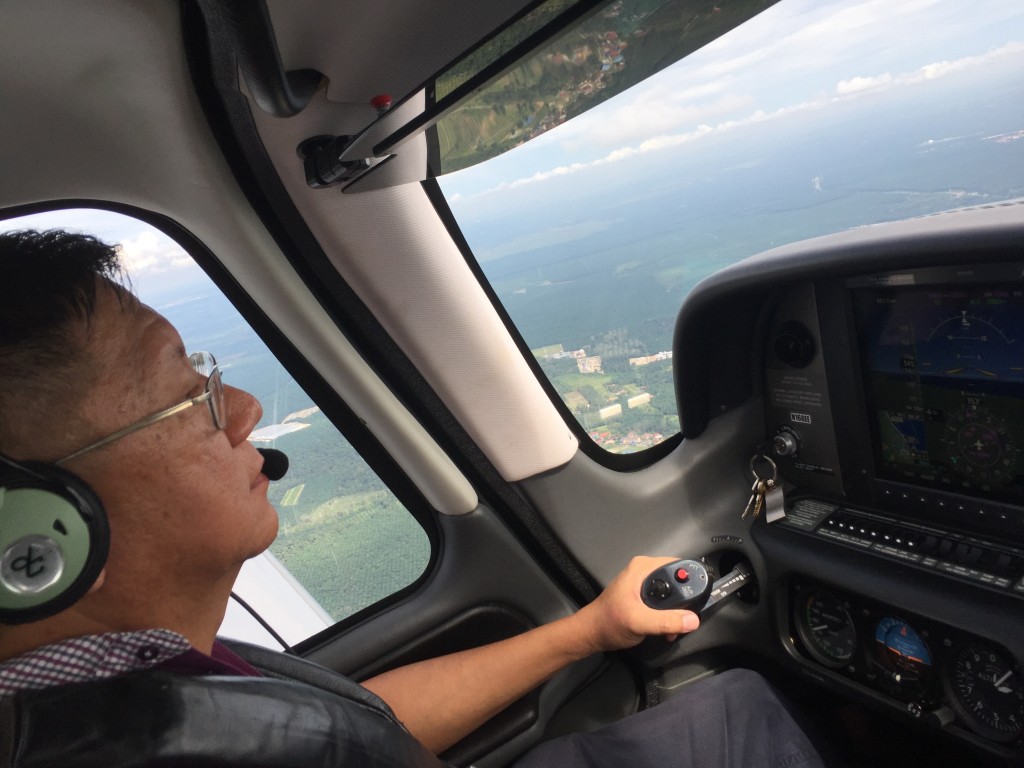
x=720, y=330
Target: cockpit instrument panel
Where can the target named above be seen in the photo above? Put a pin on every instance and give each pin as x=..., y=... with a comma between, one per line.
x=912, y=403
x=942, y=358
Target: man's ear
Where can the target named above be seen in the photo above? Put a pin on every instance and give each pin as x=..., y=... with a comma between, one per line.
x=99, y=581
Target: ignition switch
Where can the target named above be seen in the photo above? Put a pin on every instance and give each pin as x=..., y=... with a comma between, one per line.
x=786, y=442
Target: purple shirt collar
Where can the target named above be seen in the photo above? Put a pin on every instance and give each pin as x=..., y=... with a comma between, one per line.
x=93, y=657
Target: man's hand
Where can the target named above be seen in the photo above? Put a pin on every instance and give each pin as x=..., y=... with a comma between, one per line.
x=441, y=700
x=618, y=618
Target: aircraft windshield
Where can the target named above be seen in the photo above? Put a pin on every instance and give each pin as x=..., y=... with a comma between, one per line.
x=809, y=119
x=608, y=50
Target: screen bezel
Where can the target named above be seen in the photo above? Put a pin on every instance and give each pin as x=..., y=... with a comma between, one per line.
x=867, y=483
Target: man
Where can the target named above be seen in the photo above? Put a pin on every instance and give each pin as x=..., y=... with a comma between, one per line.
x=101, y=385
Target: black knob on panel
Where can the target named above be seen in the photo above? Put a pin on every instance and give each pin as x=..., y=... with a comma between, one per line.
x=794, y=344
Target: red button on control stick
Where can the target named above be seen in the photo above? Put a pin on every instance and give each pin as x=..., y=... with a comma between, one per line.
x=682, y=575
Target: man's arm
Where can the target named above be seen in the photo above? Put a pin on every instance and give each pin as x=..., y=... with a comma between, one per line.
x=442, y=700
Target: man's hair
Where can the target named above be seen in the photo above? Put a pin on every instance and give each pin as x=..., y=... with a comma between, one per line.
x=48, y=284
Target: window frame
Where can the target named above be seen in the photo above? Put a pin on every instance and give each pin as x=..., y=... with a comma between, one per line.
x=230, y=119
x=331, y=404
x=619, y=462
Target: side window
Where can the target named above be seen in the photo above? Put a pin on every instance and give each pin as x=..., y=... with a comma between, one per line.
x=344, y=541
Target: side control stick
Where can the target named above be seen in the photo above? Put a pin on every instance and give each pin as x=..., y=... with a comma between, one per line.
x=686, y=584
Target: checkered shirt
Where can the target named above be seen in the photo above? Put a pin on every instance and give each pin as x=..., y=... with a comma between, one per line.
x=90, y=658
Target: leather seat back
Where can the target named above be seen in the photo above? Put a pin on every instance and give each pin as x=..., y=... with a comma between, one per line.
x=162, y=719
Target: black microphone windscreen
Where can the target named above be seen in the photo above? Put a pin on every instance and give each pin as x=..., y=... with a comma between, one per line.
x=275, y=463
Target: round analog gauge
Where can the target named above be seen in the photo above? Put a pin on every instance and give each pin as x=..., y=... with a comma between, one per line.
x=986, y=691
x=824, y=625
x=902, y=654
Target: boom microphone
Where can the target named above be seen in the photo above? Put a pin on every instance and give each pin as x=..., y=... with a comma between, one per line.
x=275, y=463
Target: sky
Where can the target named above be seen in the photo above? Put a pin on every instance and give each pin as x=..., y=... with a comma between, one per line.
x=798, y=55
x=155, y=262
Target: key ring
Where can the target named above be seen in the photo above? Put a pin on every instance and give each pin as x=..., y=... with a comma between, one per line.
x=753, y=467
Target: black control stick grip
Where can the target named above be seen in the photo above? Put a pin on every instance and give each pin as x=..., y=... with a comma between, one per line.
x=684, y=584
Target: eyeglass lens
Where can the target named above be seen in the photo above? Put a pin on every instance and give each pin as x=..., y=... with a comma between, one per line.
x=205, y=364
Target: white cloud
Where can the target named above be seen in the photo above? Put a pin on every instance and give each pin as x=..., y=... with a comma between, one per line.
x=943, y=68
x=669, y=102
x=638, y=117
x=932, y=71
x=798, y=55
x=861, y=84
x=821, y=31
x=150, y=252
x=655, y=144
x=704, y=89
x=633, y=122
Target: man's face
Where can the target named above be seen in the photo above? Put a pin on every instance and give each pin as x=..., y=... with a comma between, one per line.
x=187, y=502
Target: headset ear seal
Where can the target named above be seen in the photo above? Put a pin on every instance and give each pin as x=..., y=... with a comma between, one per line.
x=54, y=540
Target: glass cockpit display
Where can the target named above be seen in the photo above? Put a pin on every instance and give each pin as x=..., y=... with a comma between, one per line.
x=944, y=383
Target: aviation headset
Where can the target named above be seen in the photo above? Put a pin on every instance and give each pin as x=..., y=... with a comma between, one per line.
x=54, y=539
